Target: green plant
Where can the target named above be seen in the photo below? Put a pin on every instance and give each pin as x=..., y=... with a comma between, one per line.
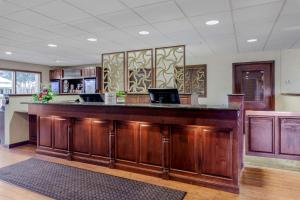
x=44, y=95
x=120, y=93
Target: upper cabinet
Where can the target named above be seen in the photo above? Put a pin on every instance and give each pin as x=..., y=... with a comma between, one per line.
x=89, y=72
x=55, y=74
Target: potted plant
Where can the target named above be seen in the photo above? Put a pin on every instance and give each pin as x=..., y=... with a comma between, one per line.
x=120, y=97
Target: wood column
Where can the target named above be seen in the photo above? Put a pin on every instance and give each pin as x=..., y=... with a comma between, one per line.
x=112, y=144
x=165, y=151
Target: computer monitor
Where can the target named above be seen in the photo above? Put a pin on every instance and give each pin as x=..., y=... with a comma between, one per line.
x=91, y=97
x=168, y=96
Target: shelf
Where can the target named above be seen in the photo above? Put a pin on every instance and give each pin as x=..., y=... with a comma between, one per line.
x=290, y=94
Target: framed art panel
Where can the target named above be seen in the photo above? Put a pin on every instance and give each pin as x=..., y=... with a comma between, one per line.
x=139, y=71
x=170, y=63
x=113, y=65
x=196, y=80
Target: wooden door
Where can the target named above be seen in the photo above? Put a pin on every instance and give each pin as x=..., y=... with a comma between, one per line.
x=256, y=81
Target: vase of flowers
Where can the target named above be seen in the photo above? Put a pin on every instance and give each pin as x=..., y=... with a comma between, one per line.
x=44, y=96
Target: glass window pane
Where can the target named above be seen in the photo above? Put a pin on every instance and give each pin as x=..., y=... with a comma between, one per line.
x=6, y=82
x=253, y=85
x=27, y=82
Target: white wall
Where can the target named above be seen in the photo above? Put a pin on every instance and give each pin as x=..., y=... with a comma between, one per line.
x=219, y=74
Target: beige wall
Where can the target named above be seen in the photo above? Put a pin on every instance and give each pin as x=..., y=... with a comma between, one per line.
x=16, y=118
x=4, y=64
x=219, y=69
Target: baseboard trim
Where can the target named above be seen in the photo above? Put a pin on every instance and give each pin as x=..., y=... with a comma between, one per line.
x=10, y=146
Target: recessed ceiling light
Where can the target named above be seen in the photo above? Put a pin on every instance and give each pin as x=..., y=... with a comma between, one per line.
x=52, y=45
x=92, y=39
x=252, y=40
x=8, y=53
x=212, y=22
x=59, y=61
x=144, y=32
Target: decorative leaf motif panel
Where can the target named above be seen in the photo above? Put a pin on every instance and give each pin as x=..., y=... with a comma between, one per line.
x=170, y=63
x=139, y=65
x=113, y=71
x=196, y=80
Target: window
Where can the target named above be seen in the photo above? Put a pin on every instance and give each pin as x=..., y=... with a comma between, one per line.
x=19, y=82
x=6, y=82
x=27, y=82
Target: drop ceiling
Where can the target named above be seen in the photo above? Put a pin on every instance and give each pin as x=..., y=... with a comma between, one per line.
x=28, y=26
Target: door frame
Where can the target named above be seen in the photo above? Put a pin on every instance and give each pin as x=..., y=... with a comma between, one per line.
x=272, y=72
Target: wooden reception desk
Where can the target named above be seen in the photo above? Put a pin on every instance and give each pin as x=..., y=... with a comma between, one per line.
x=194, y=144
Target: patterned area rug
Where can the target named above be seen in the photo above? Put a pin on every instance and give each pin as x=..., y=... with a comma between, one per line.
x=69, y=183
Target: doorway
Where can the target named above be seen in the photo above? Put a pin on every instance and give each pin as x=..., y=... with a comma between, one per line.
x=256, y=81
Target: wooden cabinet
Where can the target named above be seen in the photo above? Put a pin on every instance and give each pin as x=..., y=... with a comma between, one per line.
x=261, y=137
x=81, y=136
x=89, y=72
x=55, y=74
x=218, y=143
x=45, y=127
x=100, y=138
x=273, y=134
x=289, y=136
x=60, y=133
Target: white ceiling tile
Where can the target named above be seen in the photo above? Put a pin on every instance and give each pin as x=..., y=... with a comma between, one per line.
x=32, y=18
x=7, y=8
x=17, y=36
x=223, y=45
x=245, y=46
x=291, y=7
x=236, y=4
x=266, y=12
x=91, y=24
x=283, y=40
x=201, y=7
x=160, y=12
x=61, y=11
x=29, y=3
x=225, y=27
x=138, y=3
x=253, y=29
x=13, y=26
x=123, y=19
x=174, y=26
x=66, y=30
x=97, y=7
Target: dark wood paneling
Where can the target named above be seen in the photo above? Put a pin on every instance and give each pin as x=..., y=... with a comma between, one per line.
x=100, y=138
x=166, y=142
x=126, y=141
x=184, y=148
x=60, y=133
x=32, y=128
x=45, y=131
x=290, y=136
x=150, y=136
x=81, y=135
x=261, y=135
x=218, y=143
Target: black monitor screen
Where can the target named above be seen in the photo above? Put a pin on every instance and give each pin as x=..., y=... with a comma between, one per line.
x=169, y=96
x=91, y=97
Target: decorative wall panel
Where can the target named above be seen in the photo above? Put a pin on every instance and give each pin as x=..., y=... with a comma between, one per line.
x=196, y=80
x=139, y=66
x=113, y=71
x=170, y=62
